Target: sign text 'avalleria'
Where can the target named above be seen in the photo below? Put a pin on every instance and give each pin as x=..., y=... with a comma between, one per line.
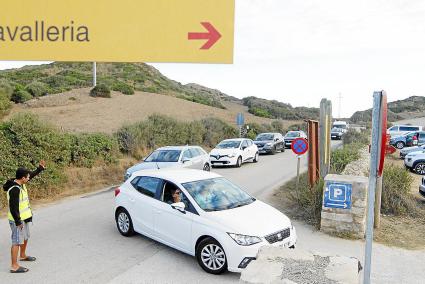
x=41, y=31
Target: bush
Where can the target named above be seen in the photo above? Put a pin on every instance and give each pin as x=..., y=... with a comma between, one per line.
x=37, y=89
x=308, y=199
x=396, y=197
x=6, y=88
x=340, y=158
x=123, y=88
x=5, y=104
x=353, y=136
x=101, y=90
x=20, y=95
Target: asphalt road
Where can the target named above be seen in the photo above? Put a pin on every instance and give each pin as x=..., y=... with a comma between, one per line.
x=76, y=241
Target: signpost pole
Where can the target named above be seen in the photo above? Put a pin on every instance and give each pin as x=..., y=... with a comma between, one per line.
x=378, y=196
x=298, y=174
x=374, y=152
x=94, y=75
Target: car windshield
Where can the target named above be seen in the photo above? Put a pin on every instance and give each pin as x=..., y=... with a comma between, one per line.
x=292, y=134
x=264, y=137
x=228, y=144
x=217, y=194
x=164, y=156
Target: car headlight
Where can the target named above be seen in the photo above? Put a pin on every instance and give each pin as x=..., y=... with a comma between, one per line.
x=268, y=144
x=243, y=240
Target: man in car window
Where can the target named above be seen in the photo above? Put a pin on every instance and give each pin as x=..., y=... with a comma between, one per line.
x=176, y=194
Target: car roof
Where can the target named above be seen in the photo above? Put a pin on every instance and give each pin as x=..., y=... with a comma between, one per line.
x=235, y=139
x=177, y=175
x=176, y=147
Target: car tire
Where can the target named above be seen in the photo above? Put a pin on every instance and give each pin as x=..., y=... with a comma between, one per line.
x=207, y=167
x=282, y=149
x=239, y=162
x=211, y=256
x=124, y=223
x=399, y=145
x=255, y=158
x=273, y=150
x=419, y=168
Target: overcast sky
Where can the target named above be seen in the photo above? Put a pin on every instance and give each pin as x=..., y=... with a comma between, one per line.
x=299, y=52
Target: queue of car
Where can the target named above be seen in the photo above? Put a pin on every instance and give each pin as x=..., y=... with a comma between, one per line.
x=173, y=198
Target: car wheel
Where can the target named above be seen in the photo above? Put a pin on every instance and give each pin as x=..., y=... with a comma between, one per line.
x=420, y=168
x=274, y=150
x=282, y=149
x=207, y=167
x=255, y=158
x=211, y=256
x=124, y=223
x=399, y=145
x=239, y=162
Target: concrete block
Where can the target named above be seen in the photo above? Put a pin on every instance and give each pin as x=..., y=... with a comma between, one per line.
x=272, y=252
x=262, y=271
x=338, y=217
x=343, y=270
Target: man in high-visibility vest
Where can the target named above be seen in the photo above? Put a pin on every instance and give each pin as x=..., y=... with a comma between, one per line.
x=20, y=215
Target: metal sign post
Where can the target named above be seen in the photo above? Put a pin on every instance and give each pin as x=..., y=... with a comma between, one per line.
x=240, y=121
x=376, y=166
x=94, y=75
x=299, y=146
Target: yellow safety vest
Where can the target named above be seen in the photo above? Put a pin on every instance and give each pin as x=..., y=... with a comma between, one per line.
x=24, y=204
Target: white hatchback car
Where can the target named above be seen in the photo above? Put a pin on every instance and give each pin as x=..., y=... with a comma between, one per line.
x=202, y=214
x=234, y=152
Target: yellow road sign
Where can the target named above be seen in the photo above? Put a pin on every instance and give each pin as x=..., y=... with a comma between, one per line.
x=118, y=31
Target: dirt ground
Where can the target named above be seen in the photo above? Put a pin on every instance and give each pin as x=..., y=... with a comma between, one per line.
x=76, y=111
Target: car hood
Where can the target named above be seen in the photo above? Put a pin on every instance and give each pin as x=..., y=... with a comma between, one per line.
x=255, y=219
x=411, y=149
x=152, y=165
x=416, y=154
x=222, y=152
x=290, y=138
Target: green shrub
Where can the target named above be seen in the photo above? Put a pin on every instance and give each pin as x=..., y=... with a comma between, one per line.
x=20, y=95
x=100, y=90
x=396, y=197
x=86, y=149
x=5, y=104
x=353, y=136
x=6, y=88
x=123, y=88
x=37, y=89
x=308, y=199
x=340, y=158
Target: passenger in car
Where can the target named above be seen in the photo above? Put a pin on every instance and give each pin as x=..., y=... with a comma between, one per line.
x=175, y=193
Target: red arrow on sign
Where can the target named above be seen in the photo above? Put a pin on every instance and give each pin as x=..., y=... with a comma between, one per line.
x=212, y=35
x=389, y=149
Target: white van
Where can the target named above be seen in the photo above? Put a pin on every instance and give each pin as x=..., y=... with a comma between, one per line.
x=397, y=130
x=341, y=124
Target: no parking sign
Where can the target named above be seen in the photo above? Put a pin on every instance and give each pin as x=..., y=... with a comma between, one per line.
x=299, y=146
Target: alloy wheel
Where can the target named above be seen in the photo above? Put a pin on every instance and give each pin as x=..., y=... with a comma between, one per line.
x=123, y=222
x=420, y=168
x=213, y=257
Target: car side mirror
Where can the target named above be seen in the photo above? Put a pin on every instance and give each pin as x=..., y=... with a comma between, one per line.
x=243, y=147
x=185, y=160
x=180, y=206
x=276, y=139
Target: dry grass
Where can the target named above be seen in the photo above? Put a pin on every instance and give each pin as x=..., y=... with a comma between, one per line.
x=76, y=111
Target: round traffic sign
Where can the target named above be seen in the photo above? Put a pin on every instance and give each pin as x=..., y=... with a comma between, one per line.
x=299, y=146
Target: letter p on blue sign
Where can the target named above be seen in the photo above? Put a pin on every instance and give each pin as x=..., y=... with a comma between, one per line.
x=337, y=195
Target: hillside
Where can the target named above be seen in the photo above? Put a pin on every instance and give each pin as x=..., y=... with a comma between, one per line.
x=412, y=107
x=37, y=81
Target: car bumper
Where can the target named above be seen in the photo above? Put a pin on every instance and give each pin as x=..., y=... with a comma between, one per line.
x=223, y=161
x=422, y=190
x=408, y=164
x=236, y=254
x=288, y=144
x=336, y=136
x=264, y=150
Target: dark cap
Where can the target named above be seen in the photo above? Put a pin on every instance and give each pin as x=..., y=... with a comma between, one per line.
x=22, y=172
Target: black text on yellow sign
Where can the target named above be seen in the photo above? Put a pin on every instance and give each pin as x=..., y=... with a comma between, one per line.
x=118, y=31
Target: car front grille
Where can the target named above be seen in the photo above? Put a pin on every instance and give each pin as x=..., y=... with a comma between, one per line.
x=278, y=236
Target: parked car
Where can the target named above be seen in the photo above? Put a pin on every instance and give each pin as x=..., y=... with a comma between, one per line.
x=415, y=162
x=407, y=150
x=192, y=157
x=292, y=135
x=201, y=214
x=270, y=143
x=337, y=133
x=234, y=152
x=403, y=140
x=397, y=130
x=422, y=187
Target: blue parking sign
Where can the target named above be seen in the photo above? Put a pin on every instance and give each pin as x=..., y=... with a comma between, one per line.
x=337, y=195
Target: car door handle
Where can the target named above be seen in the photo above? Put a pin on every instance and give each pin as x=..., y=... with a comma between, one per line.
x=132, y=200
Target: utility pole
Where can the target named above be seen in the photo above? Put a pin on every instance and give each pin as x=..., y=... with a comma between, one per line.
x=339, y=104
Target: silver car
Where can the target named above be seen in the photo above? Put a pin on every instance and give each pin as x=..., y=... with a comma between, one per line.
x=192, y=157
